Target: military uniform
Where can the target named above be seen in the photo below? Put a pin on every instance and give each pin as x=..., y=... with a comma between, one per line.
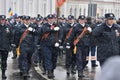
x=70, y=56
x=107, y=37
x=27, y=47
x=37, y=56
x=5, y=43
x=82, y=46
x=49, y=46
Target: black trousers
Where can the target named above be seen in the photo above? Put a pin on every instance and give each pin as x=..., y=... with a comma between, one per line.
x=101, y=62
x=4, y=55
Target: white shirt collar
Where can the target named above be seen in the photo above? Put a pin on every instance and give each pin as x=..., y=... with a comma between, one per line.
x=109, y=26
x=26, y=25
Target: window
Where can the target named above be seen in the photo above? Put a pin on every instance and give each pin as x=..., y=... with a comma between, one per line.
x=80, y=11
x=75, y=12
x=84, y=11
x=70, y=11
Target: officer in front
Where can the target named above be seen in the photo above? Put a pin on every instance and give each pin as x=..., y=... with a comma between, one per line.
x=70, y=56
x=27, y=34
x=107, y=35
x=5, y=43
x=82, y=47
x=49, y=45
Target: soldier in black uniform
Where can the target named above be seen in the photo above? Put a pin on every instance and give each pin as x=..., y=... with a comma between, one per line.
x=27, y=45
x=82, y=47
x=5, y=43
x=70, y=56
x=108, y=37
x=37, y=56
x=49, y=46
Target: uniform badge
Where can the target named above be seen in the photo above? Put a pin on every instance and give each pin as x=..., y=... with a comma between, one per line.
x=111, y=15
x=117, y=33
x=7, y=30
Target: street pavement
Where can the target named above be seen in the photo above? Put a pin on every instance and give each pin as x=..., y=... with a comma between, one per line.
x=36, y=72
x=13, y=71
x=60, y=72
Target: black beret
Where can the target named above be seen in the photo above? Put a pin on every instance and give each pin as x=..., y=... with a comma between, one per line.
x=50, y=16
x=27, y=17
x=2, y=17
x=81, y=17
x=38, y=19
x=70, y=17
x=109, y=15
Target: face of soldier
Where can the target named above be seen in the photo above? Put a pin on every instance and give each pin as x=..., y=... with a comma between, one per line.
x=51, y=20
x=71, y=21
x=81, y=21
x=27, y=22
x=2, y=21
x=110, y=21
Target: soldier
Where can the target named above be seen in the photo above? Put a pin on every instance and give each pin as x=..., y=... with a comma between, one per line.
x=49, y=46
x=82, y=47
x=92, y=44
x=70, y=56
x=27, y=34
x=5, y=43
x=15, y=26
x=107, y=36
x=37, y=56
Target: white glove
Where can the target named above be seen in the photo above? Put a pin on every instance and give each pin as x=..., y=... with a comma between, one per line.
x=13, y=45
x=61, y=47
x=68, y=47
x=89, y=29
x=56, y=28
x=31, y=29
x=56, y=44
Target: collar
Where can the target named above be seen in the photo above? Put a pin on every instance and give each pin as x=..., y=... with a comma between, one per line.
x=83, y=25
x=27, y=25
x=109, y=25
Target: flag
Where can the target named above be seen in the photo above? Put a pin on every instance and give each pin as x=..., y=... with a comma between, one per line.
x=60, y=2
x=10, y=11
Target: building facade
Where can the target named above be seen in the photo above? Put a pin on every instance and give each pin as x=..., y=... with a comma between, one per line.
x=74, y=7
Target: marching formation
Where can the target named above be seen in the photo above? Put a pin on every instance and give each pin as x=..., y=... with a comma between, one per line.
x=42, y=39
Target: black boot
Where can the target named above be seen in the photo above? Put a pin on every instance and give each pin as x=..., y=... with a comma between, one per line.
x=3, y=75
x=73, y=71
x=68, y=71
x=80, y=74
x=53, y=73
x=44, y=72
x=50, y=75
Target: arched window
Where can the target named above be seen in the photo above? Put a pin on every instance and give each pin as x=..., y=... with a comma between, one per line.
x=111, y=10
x=84, y=11
x=75, y=12
x=80, y=11
x=105, y=11
x=108, y=11
x=102, y=12
x=70, y=11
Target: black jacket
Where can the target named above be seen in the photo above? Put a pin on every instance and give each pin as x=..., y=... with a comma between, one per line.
x=5, y=37
x=77, y=30
x=30, y=37
x=52, y=37
x=107, y=41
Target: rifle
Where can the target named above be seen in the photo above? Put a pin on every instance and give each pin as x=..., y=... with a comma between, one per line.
x=78, y=39
x=68, y=34
x=80, y=36
x=22, y=37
